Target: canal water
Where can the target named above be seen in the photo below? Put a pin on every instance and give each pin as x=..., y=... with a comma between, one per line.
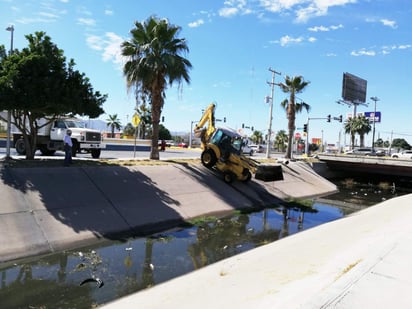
x=90, y=276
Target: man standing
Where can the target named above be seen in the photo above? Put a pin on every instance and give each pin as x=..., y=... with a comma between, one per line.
x=68, y=144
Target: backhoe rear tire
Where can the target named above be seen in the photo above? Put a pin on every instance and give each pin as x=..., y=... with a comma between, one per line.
x=208, y=158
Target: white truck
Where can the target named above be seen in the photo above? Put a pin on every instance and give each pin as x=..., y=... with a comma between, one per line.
x=50, y=137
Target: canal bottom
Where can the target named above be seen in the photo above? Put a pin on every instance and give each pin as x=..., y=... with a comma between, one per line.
x=90, y=276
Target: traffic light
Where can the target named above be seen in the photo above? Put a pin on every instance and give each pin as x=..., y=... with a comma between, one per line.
x=340, y=118
x=163, y=118
x=328, y=118
x=224, y=119
x=252, y=128
x=305, y=128
x=243, y=125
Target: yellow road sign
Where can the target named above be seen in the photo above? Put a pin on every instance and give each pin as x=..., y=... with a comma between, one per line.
x=135, y=120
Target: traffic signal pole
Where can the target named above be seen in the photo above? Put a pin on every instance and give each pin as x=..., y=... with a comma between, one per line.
x=306, y=128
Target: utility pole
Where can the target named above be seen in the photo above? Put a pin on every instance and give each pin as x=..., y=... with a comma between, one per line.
x=11, y=29
x=375, y=99
x=272, y=84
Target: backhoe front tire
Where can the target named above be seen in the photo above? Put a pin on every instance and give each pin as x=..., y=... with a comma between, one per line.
x=228, y=177
x=208, y=158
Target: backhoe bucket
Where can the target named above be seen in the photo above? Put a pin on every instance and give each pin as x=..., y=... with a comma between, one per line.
x=269, y=172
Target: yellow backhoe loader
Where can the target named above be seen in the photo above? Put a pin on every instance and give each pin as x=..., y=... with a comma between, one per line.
x=222, y=149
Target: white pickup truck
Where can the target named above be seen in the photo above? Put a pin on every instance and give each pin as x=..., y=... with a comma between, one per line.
x=405, y=154
x=50, y=137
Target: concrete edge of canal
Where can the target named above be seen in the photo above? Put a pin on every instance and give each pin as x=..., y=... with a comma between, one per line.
x=46, y=210
x=360, y=261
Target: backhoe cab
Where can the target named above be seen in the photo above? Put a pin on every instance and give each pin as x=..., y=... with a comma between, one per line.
x=222, y=148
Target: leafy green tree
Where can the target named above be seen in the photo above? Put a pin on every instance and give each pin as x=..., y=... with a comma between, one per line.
x=281, y=140
x=36, y=82
x=164, y=133
x=293, y=86
x=145, y=119
x=400, y=143
x=379, y=143
x=129, y=130
x=154, y=61
x=114, y=123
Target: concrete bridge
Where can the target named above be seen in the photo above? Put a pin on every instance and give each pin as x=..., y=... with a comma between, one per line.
x=367, y=165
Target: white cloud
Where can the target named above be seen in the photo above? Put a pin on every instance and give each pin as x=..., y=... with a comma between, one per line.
x=108, y=12
x=363, y=52
x=235, y=7
x=312, y=39
x=324, y=28
x=109, y=45
x=86, y=21
x=287, y=40
x=389, y=23
x=228, y=12
x=303, y=9
x=196, y=23
x=406, y=46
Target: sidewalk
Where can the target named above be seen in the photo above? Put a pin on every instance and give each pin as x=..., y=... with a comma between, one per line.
x=46, y=210
x=361, y=261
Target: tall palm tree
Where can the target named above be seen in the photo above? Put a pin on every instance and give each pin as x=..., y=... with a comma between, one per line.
x=153, y=62
x=292, y=86
x=114, y=123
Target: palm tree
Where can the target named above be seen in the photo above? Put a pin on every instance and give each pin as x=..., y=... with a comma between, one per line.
x=292, y=86
x=256, y=137
x=363, y=127
x=114, y=123
x=350, y=128
x=153, y=62
x=357, y=125
x=280, y=140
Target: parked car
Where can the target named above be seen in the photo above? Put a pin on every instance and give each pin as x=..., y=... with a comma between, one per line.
x=246, y=149
x=182, y=145
x=364, y=152
x=257, y=148
x=405, y=154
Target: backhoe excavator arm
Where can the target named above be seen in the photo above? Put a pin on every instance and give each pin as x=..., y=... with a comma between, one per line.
x=206, y=133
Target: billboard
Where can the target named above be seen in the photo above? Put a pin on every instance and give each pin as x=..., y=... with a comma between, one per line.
x=367, y=115
x=353, y=88
x=370, y=115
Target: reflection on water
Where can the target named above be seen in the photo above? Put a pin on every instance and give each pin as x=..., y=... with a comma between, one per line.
x=124, y=268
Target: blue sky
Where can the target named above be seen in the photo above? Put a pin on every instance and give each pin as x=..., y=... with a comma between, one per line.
x=232, y=44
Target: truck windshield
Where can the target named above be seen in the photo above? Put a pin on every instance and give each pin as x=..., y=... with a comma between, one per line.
x=74, y=124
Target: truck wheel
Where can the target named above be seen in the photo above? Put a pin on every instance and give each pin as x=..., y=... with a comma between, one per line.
x=75, y=148
x=228, y=177
x=46, y=152
x=20, y=147
x=208, y=158
x=96, y=153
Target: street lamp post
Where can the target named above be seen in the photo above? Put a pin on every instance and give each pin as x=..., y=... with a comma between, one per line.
x=272, y=84
x=191, y=132
x=11, y=29
x=375, y=99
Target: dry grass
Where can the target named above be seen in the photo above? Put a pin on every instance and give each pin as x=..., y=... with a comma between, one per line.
x=58, y=162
